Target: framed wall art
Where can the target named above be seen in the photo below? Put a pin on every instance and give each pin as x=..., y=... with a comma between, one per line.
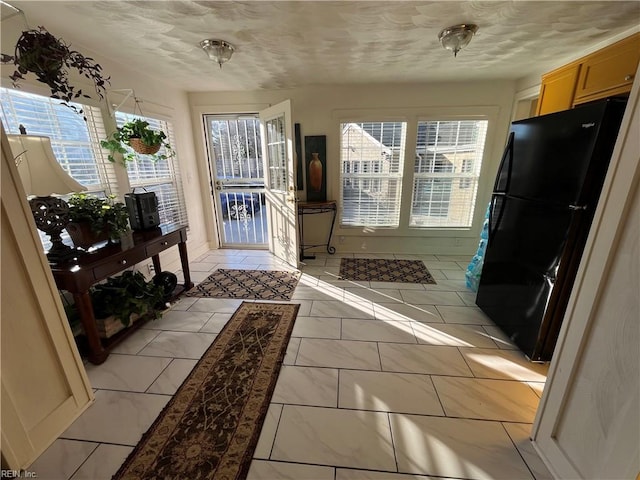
x=315, y=149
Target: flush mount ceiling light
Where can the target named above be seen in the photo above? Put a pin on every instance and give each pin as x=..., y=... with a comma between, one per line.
x=218, y=50
x=457, y=37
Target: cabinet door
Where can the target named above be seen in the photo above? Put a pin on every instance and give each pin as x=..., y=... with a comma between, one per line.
x=609, y=71
x=44, y=385
x=558, y=88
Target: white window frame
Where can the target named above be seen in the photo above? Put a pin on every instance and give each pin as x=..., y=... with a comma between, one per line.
x=367, y=173
x=108, y=184
x=471, y=178
x=169, y=214
x=490, y=159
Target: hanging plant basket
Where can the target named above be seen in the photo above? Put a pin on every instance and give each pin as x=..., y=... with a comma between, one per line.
x=136, y=136
x=142, y=148
x=51, y=60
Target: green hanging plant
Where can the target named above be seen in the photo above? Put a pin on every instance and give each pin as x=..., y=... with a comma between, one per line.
x=50, y=59
x=134, y=137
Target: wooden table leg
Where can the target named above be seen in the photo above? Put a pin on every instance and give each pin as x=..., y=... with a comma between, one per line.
x=184, y=260
x=156, y=264
x=97, y=353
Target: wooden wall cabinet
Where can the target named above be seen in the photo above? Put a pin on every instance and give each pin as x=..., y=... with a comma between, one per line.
x=605, y=73
x=609, y=71
x=558, y=89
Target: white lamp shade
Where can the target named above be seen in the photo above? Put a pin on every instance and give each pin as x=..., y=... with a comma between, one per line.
x=40, y=172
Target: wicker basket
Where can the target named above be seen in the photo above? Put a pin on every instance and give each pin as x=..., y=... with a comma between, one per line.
x=108, y=327
x=142, y=148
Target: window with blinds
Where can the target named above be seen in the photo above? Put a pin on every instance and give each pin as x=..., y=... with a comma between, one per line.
x=371, y=157
x=446, y=172
x=75, y=142
x=161, y=177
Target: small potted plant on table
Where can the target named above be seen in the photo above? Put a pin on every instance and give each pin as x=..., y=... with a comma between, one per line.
x=95, y=219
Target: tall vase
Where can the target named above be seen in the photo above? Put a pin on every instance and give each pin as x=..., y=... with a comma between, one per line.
x=315, y=173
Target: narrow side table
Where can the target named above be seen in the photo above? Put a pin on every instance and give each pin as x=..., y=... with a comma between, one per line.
x=313, y=208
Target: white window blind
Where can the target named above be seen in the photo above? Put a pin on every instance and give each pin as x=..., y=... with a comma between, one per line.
x=371, y=157
x=446, y=172
x=161, y=177
x=75, y=142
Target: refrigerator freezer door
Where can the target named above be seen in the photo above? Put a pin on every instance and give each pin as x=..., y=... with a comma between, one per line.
x=553, y=154
x=527, y=242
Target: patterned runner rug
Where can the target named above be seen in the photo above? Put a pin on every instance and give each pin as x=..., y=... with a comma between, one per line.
x=256, y=284
x=380, y=270
x=210, y=428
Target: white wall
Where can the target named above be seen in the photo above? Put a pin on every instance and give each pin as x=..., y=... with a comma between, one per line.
x=158, y=99
x=319, y=109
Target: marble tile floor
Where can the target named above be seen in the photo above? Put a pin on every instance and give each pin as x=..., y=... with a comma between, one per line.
x=381, y=381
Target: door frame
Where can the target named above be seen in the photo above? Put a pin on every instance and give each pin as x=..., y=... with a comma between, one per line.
x=214, y=183
x=281, y=203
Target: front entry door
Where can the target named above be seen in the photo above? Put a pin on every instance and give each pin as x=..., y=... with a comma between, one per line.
x=237, y=173
x=277, y=146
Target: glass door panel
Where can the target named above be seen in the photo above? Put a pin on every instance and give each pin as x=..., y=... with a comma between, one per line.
x=237, y=173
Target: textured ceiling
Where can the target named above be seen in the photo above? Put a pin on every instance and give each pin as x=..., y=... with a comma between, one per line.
x=293, y=44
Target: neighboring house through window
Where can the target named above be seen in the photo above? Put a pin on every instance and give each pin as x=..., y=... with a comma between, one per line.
x=372, y=156
x=446, y=169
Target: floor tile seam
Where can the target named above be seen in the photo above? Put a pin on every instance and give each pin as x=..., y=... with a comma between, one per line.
x=424, y=374
x=510, y=380
x=143, y=392
x=533, y=476
x=175, y=358
x=491, y=336
x=86, y=459
x=393, y=412
x=179, y=331
x=275, y=433
x=160, y=374
x=99, y=442
x=393, y=443
x=323, y=465
x=295, y=359
x=433, y=385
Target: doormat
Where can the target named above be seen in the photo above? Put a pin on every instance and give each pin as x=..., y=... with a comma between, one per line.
x=381, y=270
x=255, y=284
x=210, y=428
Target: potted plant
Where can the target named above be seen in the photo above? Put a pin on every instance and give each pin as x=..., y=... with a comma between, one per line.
x=137, y=136
x=39, y=52
x=126, y=298
x=94, y=219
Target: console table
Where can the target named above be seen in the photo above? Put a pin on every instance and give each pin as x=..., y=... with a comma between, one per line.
x=313, y=208
x=78, y=275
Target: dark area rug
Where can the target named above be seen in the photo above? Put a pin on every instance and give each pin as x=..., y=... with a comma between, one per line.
x=254, y=284
x=210, y=428
x=381, y=270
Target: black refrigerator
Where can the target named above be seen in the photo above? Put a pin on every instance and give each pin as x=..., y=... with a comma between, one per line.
x=543, y=202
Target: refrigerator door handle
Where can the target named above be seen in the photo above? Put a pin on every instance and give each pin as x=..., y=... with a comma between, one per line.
x=507, y=156
x=491, y=232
